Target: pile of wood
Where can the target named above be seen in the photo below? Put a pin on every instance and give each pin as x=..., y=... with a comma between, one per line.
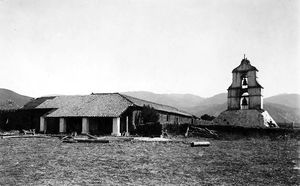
x=9, y=133
x=30, y=131
x=88, y=139
x=201, y=132
x=200, y=144
x=23, y=134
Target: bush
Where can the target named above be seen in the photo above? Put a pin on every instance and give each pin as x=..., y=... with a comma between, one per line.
x=149, y=114
x=207, y=117
x=150, y=129
x=175, y=129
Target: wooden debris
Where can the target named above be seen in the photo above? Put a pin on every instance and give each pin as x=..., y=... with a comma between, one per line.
x=203, y=132
x=147, y=139
x=86, y=140
x=25, y=136
x=200, y=143
x=187, y=132
x=30, y=131
x=91, y=139
x=90, y=136
x=10, y=133
x=69, y=140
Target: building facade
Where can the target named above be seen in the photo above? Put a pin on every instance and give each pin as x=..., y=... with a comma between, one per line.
x=245, y=100
x=245, y=92
x=102, y=114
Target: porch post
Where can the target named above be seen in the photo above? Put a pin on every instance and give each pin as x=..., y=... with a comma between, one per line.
x=62, y=125
x=43, y=124
x=85, y=126
x=127, y=132
x=133, y=120
x=116, y=127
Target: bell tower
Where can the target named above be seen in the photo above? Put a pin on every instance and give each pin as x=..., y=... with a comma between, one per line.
x=245, y=92
x=245, y=100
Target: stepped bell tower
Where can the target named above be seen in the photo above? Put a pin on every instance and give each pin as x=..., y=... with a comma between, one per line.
x=245, y=100
x=245, y=92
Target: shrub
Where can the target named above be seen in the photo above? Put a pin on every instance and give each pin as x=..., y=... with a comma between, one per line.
x=175, y=129
x=150, y=129
x=207, y=117
x=149, y=114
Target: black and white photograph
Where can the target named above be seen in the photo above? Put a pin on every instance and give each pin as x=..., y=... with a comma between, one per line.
x=150, y=92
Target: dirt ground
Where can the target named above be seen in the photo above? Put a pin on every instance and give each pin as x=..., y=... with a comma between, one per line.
x=47, y=161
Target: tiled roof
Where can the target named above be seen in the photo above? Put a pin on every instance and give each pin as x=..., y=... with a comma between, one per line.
x=99, y=105
x=36, y=102
x=245, y=66
x=156, y=106
x=96, y=105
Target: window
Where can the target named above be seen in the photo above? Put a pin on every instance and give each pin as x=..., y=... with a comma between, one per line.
x=244, y=81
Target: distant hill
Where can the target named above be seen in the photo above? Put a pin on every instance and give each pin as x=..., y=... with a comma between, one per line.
x=282, y=113
x=283, y=107
x=12, y=100
x=289, y=100
x=215, y=100
x=213, y=110
x=175, y=100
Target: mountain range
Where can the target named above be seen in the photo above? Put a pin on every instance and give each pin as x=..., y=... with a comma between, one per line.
x=284, y=108
x=12, y=100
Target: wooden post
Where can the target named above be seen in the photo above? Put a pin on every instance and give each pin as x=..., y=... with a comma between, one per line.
x=127, y=132
x=85, y=126
x=116, y=127
x=133, y=119
x=62, y=125
x=43, y=124
x=200, y=143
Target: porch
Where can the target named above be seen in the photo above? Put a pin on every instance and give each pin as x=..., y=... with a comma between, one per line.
x=115, y=126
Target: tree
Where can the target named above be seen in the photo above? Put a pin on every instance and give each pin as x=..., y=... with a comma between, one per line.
x=207, y=117
x=149, y=114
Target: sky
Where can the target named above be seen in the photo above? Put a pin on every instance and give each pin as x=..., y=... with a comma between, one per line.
x=163, y=46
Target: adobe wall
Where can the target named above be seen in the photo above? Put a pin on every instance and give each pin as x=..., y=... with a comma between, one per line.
x=173, y=119
x=251, y=78
x=255, y=102
x=233, y=103
x=245, y=118
x=164, y=118
x=255, y=91
x=236, y=80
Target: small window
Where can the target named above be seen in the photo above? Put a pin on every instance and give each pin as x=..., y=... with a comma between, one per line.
x=244, y=81
x=168, y=117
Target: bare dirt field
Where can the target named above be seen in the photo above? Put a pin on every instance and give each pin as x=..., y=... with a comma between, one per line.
x=47, y=161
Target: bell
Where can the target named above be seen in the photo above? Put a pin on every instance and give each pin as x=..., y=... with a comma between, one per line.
x=244, y=102
x=245, y=82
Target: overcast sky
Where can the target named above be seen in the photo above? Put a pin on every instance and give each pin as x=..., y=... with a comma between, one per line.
x=163, y=46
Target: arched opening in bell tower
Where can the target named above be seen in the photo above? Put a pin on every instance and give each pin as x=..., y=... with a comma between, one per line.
x=244, y=81
x=244, y=101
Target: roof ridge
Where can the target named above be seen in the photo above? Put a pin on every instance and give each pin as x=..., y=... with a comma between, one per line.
x=104, y=93
x=179, y=110
x=124, y=95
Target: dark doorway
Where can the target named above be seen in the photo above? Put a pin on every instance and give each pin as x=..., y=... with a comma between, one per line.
x=74, y=125
x=52, y=125
x=100, y=126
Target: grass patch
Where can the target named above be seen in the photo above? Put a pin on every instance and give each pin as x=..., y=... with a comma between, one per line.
x=236, y=162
